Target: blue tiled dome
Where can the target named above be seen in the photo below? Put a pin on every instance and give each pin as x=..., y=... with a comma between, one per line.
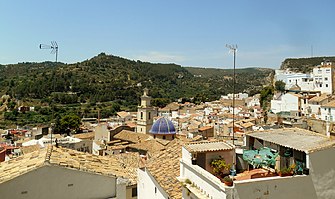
x=163, y=126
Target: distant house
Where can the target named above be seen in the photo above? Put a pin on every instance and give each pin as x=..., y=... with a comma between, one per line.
x=323, y=76
x=124, y=116
x=252, y=101
x=206, y=131
x=315, y=105
x=328, y=111
x=286, y=102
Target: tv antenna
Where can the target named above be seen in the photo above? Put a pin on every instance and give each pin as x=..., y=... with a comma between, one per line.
x=53, y=46
x=233, y=49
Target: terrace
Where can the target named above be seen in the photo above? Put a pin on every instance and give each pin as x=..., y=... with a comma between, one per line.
x=278, y=158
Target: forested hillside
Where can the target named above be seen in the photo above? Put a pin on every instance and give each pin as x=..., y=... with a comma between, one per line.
x=109, y=83
x=303, y=64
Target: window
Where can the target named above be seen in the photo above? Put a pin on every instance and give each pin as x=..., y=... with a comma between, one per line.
x=326, y=85
x=164, y=137
x=134, y=192
x=149, y=115
x=141, y=115
x=155, y=189
x=326, y=78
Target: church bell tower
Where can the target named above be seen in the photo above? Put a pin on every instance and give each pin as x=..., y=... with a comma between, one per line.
x=145, y=113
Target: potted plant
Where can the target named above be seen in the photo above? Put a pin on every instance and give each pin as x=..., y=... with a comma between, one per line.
x=285, y=172
x=228, y=181
x=220, y=167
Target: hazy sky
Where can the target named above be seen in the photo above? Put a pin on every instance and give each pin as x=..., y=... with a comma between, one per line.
x=190, y=33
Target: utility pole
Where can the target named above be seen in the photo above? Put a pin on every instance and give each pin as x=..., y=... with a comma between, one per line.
x=54, y=50
x=233, y=48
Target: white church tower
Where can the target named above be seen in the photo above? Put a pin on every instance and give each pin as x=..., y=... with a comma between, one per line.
x=145, y=114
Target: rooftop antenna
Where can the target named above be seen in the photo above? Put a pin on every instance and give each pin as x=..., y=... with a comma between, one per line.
x=233, y=49
x=53, y=46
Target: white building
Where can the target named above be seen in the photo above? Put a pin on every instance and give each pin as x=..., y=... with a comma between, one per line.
x=286, y=102
x=253, y=101
x=328, y=111
x=304, y=81
x=238, y=96
x=62, y=173
x=315, y=104
x=311, y=151
x=323, y=78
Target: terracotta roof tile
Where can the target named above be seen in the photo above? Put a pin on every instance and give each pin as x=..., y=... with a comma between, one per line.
x=151, y=146
x=330, y=104
x=164, y=167
x=131, y=136
x=208, y=146
x=123, y=166
x=319, y=98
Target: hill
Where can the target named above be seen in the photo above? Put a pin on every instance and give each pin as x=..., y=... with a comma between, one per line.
x=110, y=83
x=303, y=64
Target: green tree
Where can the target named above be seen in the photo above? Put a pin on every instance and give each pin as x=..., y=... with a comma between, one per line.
x=11, y=105
x=266, y=95
x=280, y=86
x=70, y=121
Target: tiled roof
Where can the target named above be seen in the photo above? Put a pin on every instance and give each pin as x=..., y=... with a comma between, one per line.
x=247, y=125
x=131, y=136
x=123, y=114
x=151, y=146
x=208, y=146
x=295, y=138
x=330, y=104
x=204, y=128
x=30, y=148
x=129, y=163
x=85, y=135
x=164, y=167
x=65, y=158
x=163, y=126
x=319, y=98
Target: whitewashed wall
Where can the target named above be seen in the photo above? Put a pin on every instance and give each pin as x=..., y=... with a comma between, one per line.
x=55, y=182
x=148, y=187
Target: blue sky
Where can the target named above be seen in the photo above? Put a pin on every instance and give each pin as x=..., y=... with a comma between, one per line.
x=189, y=33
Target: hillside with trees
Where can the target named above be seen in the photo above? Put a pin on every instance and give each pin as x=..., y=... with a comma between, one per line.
x=303, y=65
x=107, y=84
